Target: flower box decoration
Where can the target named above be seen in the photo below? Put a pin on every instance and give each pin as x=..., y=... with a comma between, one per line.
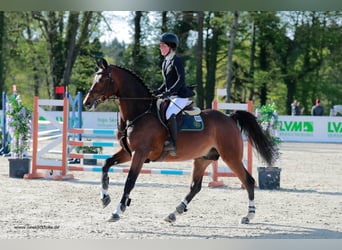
x=269, y=176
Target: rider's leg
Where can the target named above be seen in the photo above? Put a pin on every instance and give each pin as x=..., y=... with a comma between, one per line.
x=176, y=105
x=172, y=126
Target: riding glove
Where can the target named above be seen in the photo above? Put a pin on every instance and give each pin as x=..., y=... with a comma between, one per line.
x=156, y=92
x=164, y=95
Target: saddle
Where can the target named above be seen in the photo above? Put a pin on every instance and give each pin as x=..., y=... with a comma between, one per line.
x=189, y=119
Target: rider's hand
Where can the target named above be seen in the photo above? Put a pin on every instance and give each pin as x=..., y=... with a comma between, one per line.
x=156, y=92
x=164, y=95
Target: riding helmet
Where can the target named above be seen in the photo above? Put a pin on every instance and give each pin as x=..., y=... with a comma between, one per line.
x=170, y=39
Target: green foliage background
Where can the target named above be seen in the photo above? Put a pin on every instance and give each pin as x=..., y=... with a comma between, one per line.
x=278, y=56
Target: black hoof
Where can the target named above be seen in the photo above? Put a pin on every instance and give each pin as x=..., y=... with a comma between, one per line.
x=245, y=220
x=170, y=218
x=114, y=218
x=105, y=200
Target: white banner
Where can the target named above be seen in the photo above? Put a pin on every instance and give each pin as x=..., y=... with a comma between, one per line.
x=310, y=128
x=94, y=120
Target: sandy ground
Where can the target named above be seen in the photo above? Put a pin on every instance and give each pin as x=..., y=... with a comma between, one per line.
x=307, y=206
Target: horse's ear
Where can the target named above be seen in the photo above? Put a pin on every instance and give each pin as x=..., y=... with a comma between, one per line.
x=104, y=63
x=101, y=63
x=98, y=63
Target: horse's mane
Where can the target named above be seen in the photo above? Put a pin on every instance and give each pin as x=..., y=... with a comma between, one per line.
x=140, y=80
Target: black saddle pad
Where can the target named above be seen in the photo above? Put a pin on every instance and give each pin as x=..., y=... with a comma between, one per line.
x=191, y=123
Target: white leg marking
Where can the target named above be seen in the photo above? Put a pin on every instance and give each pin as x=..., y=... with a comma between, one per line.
x=103, y=193
x=118, y=210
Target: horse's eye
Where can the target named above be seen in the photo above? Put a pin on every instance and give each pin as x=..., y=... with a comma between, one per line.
x=96, y=69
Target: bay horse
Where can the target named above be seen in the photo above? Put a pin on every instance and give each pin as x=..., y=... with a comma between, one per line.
x=143, y=135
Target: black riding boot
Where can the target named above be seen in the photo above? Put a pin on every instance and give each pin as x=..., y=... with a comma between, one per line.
x=171, y=143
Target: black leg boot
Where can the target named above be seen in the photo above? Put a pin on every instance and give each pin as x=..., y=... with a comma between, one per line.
x=171, y=145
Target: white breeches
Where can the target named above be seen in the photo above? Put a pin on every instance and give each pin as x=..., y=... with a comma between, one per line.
x=176, y=105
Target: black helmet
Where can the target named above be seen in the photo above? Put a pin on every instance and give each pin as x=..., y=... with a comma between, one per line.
x=170, y=39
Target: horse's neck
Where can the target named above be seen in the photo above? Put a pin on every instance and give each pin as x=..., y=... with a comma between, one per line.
x=134, y=99
x=130, y=109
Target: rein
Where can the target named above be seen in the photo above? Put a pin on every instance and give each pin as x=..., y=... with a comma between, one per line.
x=103, y=97
x=131, y=98
x=147, y=111
x=130, y=123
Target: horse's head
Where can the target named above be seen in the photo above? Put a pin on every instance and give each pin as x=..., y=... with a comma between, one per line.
x=120, y=83
x=102, y=87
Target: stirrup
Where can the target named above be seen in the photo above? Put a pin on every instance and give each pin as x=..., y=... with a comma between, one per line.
x=170, y=147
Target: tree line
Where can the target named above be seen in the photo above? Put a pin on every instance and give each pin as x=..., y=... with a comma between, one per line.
x=264, y=56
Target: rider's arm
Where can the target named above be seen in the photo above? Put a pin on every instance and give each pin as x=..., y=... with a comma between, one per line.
x=179, y=69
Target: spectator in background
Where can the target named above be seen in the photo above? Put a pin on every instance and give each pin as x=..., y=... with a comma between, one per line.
x=317, y=110
x=295, y=108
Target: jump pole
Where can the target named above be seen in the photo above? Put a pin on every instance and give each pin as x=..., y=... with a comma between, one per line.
x=117, y=168
x=216, y=173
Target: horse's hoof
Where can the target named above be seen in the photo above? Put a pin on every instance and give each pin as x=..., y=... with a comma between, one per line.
x=170, y=218
x=245, y=220
x=114, y=218
x=105, y=200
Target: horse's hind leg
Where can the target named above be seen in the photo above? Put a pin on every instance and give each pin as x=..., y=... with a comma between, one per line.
x=200, y=164
x=248, y=181
x=249, y=184
x=119, y=157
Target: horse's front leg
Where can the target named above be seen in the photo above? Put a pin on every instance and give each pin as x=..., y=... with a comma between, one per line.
x=200, y=164
x=136, y=165
x=120, y=157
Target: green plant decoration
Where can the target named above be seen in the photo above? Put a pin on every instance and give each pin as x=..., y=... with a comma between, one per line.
x=268, y=119
x=19, y=125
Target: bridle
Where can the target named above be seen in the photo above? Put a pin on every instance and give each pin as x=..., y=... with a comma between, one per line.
x=110, y=84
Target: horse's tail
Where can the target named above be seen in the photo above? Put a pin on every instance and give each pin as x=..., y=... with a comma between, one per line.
x=259, y=139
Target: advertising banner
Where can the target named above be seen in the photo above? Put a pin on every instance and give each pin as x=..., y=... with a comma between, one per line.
x=310, y=128
x=95, y=120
